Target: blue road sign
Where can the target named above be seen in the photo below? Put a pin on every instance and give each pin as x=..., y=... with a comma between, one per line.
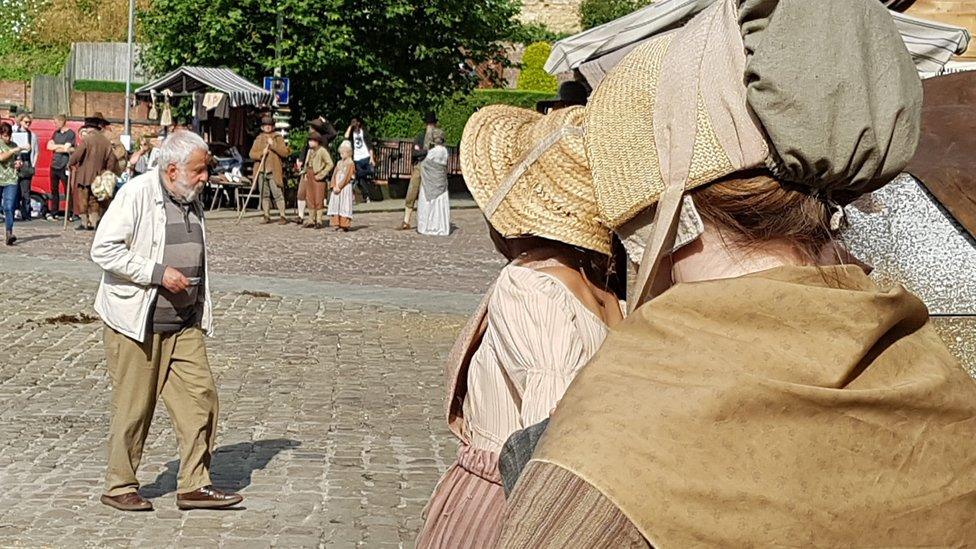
x=279, y=87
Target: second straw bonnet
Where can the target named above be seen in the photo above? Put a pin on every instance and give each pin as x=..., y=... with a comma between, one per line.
x=529, y=175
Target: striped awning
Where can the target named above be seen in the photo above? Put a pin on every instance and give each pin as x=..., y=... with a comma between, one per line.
x=931, y=44
x=184, y=80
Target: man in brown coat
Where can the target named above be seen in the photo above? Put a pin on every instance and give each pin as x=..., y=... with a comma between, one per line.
x=92, y=157
x=270, y=147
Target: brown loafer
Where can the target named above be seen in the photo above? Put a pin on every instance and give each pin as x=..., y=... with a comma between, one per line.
x=127, y=502
x=282, y=221
x=403, y=227
x=207, y=497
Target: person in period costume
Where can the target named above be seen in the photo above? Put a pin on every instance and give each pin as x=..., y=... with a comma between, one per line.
x=571, y=93
x=154, y=299
x=271, y=148
x=423, y=143
x=764, y=391
x=434, y=206
x=318, y=167
x=341, y=198
x=321, y=126
x=93, y=157
x=545, y=316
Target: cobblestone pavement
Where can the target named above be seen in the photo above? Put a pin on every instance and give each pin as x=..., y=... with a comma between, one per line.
x=328, y=366
x=372, y=254
x=330, y=406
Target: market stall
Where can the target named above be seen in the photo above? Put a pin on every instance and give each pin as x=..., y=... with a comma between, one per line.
x=221, y=101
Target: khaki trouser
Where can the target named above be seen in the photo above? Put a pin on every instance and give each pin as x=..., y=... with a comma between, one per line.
x=413, y=190
x=269, y=190
x=174, y=367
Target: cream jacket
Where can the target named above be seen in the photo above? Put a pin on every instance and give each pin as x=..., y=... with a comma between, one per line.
x=130, y=241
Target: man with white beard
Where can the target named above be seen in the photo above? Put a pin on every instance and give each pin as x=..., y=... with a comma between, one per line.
x=155, y=301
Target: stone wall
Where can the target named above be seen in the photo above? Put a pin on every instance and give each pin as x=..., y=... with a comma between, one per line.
x=558, y=15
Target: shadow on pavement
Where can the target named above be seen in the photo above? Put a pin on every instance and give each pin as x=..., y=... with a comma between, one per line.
x=231, y=468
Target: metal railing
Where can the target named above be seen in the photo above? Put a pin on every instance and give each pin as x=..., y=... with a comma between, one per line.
x=393, y=160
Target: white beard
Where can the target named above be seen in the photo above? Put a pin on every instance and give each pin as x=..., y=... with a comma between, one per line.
x=184, y=191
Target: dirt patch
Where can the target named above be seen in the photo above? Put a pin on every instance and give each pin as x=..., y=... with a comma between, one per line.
x=255, y=294
x=80, y=318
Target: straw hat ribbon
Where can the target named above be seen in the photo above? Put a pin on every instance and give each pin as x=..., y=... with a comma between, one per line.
x=530, y=176
x=670, y=117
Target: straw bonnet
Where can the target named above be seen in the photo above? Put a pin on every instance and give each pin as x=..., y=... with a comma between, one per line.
x=737, y=88
x=529, y=175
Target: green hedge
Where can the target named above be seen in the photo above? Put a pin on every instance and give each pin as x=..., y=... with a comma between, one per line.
x=534, y=75
x=593, y=13
x=102, y=86
x=454, y=114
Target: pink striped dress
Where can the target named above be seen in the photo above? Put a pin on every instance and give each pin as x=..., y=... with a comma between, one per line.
x=537, y=335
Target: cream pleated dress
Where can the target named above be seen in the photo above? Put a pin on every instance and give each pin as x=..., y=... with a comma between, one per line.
x=538, y=335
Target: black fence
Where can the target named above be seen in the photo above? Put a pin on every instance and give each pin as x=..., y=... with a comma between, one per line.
x=394, y=162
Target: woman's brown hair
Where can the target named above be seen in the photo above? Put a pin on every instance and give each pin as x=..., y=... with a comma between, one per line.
x=751, y=208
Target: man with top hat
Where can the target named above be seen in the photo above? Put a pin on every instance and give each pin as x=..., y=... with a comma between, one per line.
x=421, y=145
x=570, y=93
x=269, y=151
x=93, y=157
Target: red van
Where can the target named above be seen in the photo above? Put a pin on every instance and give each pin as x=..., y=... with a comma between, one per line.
x=43, y=128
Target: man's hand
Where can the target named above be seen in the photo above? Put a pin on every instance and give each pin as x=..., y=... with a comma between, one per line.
x=174, y=280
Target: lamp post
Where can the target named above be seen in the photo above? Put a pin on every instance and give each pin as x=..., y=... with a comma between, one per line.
x=128, y=71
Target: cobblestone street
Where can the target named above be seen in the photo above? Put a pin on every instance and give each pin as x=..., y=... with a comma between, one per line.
x=327, y=357
x=328, y=360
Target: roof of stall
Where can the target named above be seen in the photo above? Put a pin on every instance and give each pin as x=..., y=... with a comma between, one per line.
x=187, y=80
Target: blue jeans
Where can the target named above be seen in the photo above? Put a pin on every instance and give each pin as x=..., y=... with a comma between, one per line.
x=10, y=195
x=364, y=178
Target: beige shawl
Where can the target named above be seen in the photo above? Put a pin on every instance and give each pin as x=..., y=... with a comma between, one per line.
x=798, y=406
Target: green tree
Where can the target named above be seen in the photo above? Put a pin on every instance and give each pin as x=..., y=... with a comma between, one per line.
x=344, y=57
x=594, y=13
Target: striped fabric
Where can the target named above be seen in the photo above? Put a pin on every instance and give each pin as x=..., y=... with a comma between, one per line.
x=554, y=508
x=239, y=91
x=468, y=504
x=538, y=336
x=183, y=252
x=931, y=44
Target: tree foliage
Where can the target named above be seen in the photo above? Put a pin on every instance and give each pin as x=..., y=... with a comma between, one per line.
x=21, y=53
x=453, y=114
x=534, y=76
x=344, y=57
x=594, y=13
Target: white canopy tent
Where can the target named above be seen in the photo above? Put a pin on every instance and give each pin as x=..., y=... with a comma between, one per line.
x=596, y=51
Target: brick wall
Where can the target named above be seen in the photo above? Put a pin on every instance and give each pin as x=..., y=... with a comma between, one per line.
x=16, y=92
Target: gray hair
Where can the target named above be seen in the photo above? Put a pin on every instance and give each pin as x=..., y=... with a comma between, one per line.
x=177, y=148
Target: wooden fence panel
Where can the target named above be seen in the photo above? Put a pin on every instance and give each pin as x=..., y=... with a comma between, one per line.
x=49, y=95
x=105, y=61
